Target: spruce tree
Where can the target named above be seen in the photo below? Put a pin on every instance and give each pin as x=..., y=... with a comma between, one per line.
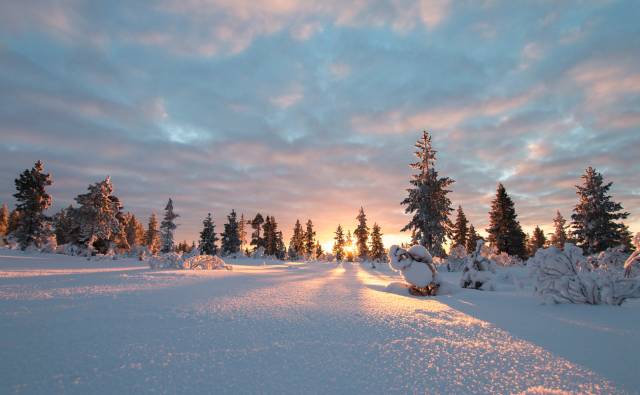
x=309, y=240
x=362, y=236
x=167, y=227
x=427, y=201
x=270, y=231
x=537, y=241
x=338, y=246
x=242, y=232
x=472, y=239
x=64, y=226
x=460, y=230
x=208, y=237
x=504, y=229
x=626, y=239
x=230, y=238
x=152, y=235
x=4, y=220
x=559, y=236
x=14, y=221
x=296, y=244
x=281, y=249
x=318, y=250
x=348, y=244
x=32, y=200
x=594, y=217
x=134, y=231
x=378, y=253
x=257, y=240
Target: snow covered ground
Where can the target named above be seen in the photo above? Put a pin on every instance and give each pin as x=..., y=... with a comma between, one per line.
x=76, y=326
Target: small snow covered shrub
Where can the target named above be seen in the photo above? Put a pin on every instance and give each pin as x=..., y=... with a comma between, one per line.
x=479, y=271
x=457, y=259
x=417, y=269
x=170, y=260
x=205, y=262
x=564, y=276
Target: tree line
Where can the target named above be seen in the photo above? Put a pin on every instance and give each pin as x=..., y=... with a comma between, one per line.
x=595, y=222
x=98, y=224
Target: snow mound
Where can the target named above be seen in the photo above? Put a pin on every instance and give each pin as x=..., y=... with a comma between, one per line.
x=170, y=260
x=563, y=276
x=479, y=271
x=417, y=268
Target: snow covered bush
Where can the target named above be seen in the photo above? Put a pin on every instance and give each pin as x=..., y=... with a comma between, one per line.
x=170, y=260
x=457, y=259
x=631, y=265
x=205, y=262
x=479, y=271
x=417, y=268
x=563, y=276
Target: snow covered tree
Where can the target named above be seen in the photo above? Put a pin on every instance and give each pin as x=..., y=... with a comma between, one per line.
x=242, y=232
x=14, y=221
x=504, y=229
x=167, y=227
x=152, y=236
x=32, y=200
x=134, y=231
x=296, y=244
x=362, y=236
x=559, y=236
x=594, y=217
x=472, y=238
x=427, y=201
x=64, y=226
x=97, y=216
x=208, y=237
x=309, y=240
x=537, y=241
x=230, y=238
x=377, y=252
x=338, y=246
x=257, y=240
x=460, y=231
x=4, y=220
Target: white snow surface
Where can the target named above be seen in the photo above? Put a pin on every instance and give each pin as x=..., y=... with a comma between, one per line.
x=72, y=325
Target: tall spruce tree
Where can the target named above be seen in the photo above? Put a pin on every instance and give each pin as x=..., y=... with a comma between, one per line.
x=14, y=221
x=296, y=244
x=98, y=216
x=167, y=227
x=134, y=231
x=257, y=240
x=427, y=201
x=32, y=200
x=318, y=250
x=309, y=240
x=152, y=235
x=594, y=217
x=537, y=241
x=230, y=238
x=339, y=244
x=4, y=220
x=377, y=251
x=208, y=237
x=460, y=230
x=559, y=236
x=362, y=236
x=281, y=249
x=270, y=231
x=504, y=229
x=472, y=239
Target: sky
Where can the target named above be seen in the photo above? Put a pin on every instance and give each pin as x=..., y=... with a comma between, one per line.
x=303, y=109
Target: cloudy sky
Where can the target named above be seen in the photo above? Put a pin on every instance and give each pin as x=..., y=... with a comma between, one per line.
x=307, y=109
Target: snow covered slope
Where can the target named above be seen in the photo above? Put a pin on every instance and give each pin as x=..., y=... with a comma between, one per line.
x=76, y=326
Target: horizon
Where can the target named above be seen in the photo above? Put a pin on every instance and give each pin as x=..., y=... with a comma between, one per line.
x=301, y=111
